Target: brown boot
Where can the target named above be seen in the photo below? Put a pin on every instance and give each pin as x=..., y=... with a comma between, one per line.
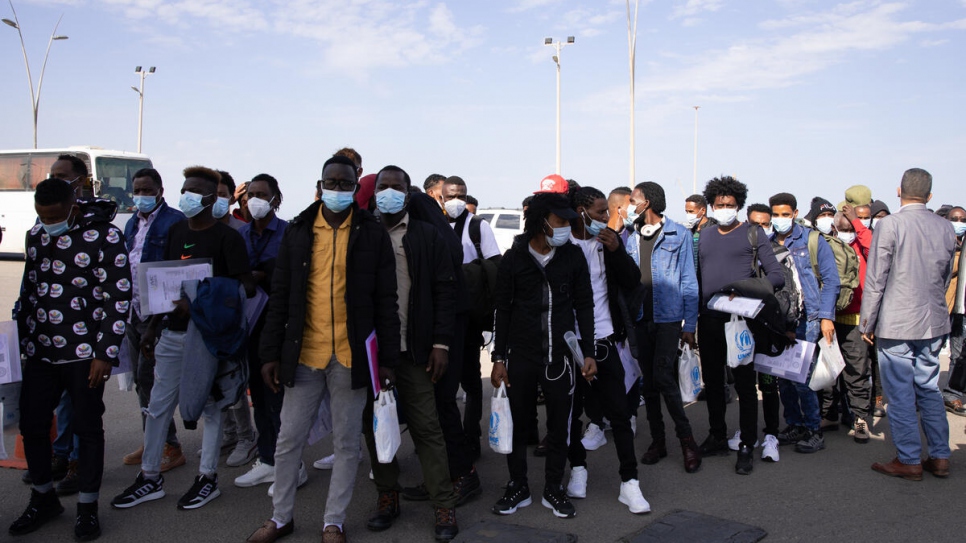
x=655, y=452
x=133, y=458
x=937, y=466
x=692, y=455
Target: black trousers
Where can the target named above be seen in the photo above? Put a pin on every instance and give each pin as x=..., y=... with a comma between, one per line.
x=608, y=391
x=658, y=357
x=472, y=384
x=714, y=354
x=43, y=385
x=450, y=420
x=266, y=405
x=557, y=381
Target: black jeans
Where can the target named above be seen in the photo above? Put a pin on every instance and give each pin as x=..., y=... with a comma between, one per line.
x=43, y=385
x=266, y=405
x=450, y=420
x=714, y=354
x=143, y=369
x=472, y=384
x=608, y=391
x=658, y=357
x=557, y=381
x=855, y=380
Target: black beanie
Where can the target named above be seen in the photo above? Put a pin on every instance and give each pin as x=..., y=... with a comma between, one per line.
x=819, y=206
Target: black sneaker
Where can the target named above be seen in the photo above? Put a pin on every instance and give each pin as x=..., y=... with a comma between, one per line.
x=143, y=490
x=466, y=487
x=713, y=446
x=516, y=495
x=811, y=443
x=744, y=464
x=556, y=500
x=203, y=491
x=58, y=470
x=792, y=434
x=70, y=484
x=87, y=527
x=42, y=507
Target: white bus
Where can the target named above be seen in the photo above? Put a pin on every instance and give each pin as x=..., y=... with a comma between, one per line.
x=21, y=171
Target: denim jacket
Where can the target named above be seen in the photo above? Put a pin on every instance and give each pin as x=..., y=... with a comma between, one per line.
x=819, y=302
x=157, y=233
x=675, y=281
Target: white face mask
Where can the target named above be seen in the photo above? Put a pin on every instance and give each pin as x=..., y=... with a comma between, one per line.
x=725, y=215
x=847, y=237
x=866, y=222
x=454, y=208
x=690, y=219
x=768, y=231
x=258, y=208
x=824, y=224
x=875, y=222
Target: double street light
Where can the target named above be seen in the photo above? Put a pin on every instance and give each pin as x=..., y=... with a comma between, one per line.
x=140, y=91
x=558, y=46
x=34, y=98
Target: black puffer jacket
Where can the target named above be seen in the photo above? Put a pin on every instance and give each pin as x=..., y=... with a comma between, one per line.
x=76, y=290
x=370, y=295
x=535, y=307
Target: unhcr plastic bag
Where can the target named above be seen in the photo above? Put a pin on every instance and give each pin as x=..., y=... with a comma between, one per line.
x=385, y=426
x=741, y=344
x=501, y=422
x=689, y=374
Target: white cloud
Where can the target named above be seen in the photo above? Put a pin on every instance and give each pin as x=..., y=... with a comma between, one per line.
x=690, y=8
x=526, y=5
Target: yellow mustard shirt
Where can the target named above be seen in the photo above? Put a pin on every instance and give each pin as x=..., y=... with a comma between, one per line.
x=326, y=333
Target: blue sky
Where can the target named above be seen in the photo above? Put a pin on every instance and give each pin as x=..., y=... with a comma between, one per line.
x=804, y=96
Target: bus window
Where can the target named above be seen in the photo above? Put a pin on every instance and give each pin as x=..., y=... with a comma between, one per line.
x=114, y=176
x=24, y=171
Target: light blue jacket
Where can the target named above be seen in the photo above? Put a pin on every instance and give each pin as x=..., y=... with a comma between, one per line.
x=674, y=279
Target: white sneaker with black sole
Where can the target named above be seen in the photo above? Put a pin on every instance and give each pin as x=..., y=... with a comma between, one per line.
x=143, y=490
x=203, y=491
x=303, y=478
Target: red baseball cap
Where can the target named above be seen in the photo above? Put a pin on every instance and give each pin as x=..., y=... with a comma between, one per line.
x=553, y=184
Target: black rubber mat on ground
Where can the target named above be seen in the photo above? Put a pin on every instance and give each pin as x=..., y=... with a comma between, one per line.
x=489, y=531
x=690, y=527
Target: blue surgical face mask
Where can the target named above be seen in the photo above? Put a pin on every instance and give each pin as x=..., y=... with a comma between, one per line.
x=631, y=217
x=782, y=225
x=594, y=227
x=190, y=204
x=960, y=228
x=560, y=236
x=390, y=201
x=769, y=231
x=220, y=209
x=337, y=201
x=146, y=204
x=866, y=222
x=57, y=229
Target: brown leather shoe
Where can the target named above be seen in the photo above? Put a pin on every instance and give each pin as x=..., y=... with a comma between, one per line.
x=172, y=457
x=937, y=466
x=910, y=472
x=655, y=452
x=692, y=455
x=269, y=532
x=134, y=458
x=332, y=534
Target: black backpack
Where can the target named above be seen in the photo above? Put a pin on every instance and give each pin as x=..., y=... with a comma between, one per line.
x=789, y=296
x=480, y=277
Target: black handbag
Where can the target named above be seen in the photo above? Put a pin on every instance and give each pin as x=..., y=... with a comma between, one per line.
x=957, y=378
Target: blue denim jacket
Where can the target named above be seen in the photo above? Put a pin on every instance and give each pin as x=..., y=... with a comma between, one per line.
x=157, y=236
x=819, y=302
x=675, y=281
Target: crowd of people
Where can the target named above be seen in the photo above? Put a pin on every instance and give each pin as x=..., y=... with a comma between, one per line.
x=588, y=313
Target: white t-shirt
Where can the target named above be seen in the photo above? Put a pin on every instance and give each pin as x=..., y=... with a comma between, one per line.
x=594, y=253
x=487, y=241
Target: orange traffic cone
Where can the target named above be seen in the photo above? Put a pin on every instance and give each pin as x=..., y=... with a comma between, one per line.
x=19, y=458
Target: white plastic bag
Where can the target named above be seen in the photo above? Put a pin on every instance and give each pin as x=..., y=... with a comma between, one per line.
x=830, y=364
x=385, y=426
x=501, y=422
x=689, y=374
x=741, y=344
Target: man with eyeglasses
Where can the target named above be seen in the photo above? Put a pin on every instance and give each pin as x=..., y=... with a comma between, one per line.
x=334, y=284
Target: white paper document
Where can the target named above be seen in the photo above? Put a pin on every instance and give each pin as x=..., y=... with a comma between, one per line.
x=9, y=353
x=793, y=363
x=159, y=283
x=743, y=307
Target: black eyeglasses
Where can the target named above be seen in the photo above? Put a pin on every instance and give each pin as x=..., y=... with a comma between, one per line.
x=338, y=184
x=957, y=220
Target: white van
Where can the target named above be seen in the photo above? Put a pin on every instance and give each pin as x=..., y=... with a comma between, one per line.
x=22, y=170
x=505, y=223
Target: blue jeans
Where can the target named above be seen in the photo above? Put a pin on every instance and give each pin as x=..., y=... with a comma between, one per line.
x=800, y=402
x=910, y=378
x=67, y=444
x=168, y=355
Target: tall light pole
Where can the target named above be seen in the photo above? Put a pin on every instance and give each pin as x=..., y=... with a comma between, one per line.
x=140, y=91
x=694, y=182
x=632, y=49
x=558, y=46
x=34, y=98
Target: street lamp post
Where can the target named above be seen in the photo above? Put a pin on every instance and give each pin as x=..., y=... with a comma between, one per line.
x=140, y=91
x=34, y=98
x=694, y=182
x=632, y=49
x=558, y=46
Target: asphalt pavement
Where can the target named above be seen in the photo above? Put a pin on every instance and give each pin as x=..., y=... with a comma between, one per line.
x=832, y=495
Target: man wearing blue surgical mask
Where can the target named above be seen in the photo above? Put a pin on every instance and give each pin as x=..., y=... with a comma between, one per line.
x=953, y=399
x=226, y=198
x=145, y=234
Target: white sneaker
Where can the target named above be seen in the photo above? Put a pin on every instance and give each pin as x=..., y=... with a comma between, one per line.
x=303, y=478
x=325, y=462
x=631, y=497
x=577, y=487
x=259, y=474
x=593, y=437
x=735, y=442
x=769, y=452
x=243, y=453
